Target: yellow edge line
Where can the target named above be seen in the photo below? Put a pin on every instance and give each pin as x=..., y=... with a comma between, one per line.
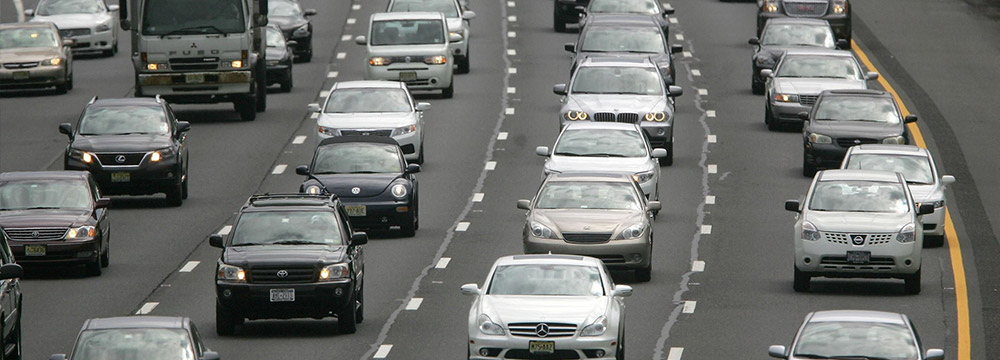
x=957, y=266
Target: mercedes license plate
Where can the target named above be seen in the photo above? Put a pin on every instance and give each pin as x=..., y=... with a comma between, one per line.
x=356, y=210
x=542, y=347
x=282, y=295
x=34, y=250
x=21, y=75
x=408, y=76
x=121, y=177
x=859, y=257
x=194, y=78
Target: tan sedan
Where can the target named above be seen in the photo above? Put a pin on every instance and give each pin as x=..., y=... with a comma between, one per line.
x=33, y=55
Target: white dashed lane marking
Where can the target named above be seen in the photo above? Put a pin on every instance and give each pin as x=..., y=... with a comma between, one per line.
x=345, y=38
x=462, y=226
x=502, y=136
x=512, y=70
x=225, y=230
x=351, y=21
x=511, y=52
x=299, y=139
x=147, y=308
x=491, y=165
x=675, y=353
x=712, y=169
x=279, y=169
x=414, y=303
x=710, y=113
x=509, y=111
x=332, y=74
x=702, y=91
x=383, y=351
x=698, y=266
x=512, y=18
x=356, y=7
x=341, y=55
x=679, y=37
x=511, y=90
x=673, y=20
x=712, y=139
x=442, y=263
x=189, y=267
x=478, y=197
x=710, y=200
x=695, y=72
x=689, y=307
x=314, y=115
x=706, y=229
x=511, y=4
x=686, y=54
x=511, y=34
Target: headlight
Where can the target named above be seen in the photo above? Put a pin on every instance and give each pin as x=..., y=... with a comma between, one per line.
x=231, y=273
x=154, y=67
x=81, y=232
x=273, y=62
x=894, y=140
x=161, y=154
x=632, y=232
x=819, y=139
x=378, y=61
x=302, y=31
x=52, y=62
x=788, y=98
x=103, y=28
x=84, y=156
x=597, y=328
x=235, y=64
x=839, y=6
x=436, y=60
x=771, y=6
x=655, y=116
x=335, y=272
x=313, y=189
x=327, y=131
x=937, y=204
x=906, y=234
x=399, y=191
x=404, y=130
x=809, y=231
x=541, y=231
x=488, y=327
x=574, y=115
x=644, y=176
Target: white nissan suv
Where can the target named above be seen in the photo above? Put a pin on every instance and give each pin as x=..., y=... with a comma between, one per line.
x=858, y=223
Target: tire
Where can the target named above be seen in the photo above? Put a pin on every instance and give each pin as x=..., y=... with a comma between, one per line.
x=69, y=82
x=261, y=104
x=808, y=168
x=558, y=23
x=669, y=159
x=757, y=86
x=17, y=355
x=286, y=86
x=912, y=283
x=245, y=107
x=347, y=323
x=359, y=314
x=175, y=196
x=644, y=274
x=620, y=350
x=801, y=281
x=934, y=241
x=64, y=87
x=772, y=124
x=226, y=321
x=463, y=64
x=420, y=158
x=307, y=57
x=94, y=268
x=184, y=187
x=108, y=53
x=448, y=92
x=106, y=255
x=409, y=226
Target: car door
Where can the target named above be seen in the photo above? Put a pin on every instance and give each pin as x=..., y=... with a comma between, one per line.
x=355, y=254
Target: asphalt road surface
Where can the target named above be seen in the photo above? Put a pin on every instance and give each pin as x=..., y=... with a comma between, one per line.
x=722, y=274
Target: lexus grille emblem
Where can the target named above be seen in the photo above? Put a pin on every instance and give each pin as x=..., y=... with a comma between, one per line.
x=857, y=141
x=542, y=330
x=34, y=234
x=407, y=59
x=858, y=239
x=356, y=190
x=120, y=159
x=282, y=274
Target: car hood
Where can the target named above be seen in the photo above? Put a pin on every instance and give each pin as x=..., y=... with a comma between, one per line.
x=381, y=120
x=838, y=221
x=411, y=50
x=617, y=103
x=813, y=86
x=367, y=184
x=597, y=163
x=29, y=54
x=43, y=218
x=287, y=23
x=276, y=53
x=587, y=220
x=928, y=192
x=867, y=129
x=121, y=143
x=580, y=310
x=244, y=256
x=74, y=21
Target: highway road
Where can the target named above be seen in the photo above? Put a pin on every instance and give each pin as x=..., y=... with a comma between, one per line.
x=722, y=278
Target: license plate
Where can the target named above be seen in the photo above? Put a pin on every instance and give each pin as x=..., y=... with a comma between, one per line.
x=408, y=76
x=282, y=295
x=121, y=177
x=34, y=250
x=859, y=257
x=21, y=75
x=356, y=210
x=541, y=347
x=194, y=78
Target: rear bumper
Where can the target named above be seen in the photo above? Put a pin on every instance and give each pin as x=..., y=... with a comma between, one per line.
x=380, y=214
x=429, y=77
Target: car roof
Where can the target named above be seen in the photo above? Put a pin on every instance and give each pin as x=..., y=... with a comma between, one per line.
x=856, y=174
x=617, y=61
x=818, y=51
x=407, y=15
x=380, y=84
x=548, y=259
x=620, y=19
x=857, y=316
x=137, y=322
x=27, y=25
x=886, y=149
x=44, y=175
x=358, y=139
x=793, y=20
x=590, y=176
x=856, y=92
x=576, y=125
x=126, y=101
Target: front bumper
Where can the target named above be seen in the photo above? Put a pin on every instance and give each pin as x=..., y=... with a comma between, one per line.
x=58, y=251
x=428, y=77
x=516, y=347
x=312, y=300
x=96, y=41
x=933, y=223
x=620, y=254
x=410, y=143
x=379, y=214
x=825, y=156
x=144, y=179
x=278, y=73
x=36, y=77
x=888, y=260
x=195, y=87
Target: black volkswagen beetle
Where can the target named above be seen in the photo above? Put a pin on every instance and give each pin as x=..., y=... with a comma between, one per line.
x=370, y=176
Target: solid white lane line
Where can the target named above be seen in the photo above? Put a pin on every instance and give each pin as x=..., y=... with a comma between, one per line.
x=383, y=351
x=511, y=52
x=689, y=307
x=511, y=90
x=351, y=21
x=346, y=37
x=333, y=74
x=279, y=169
x=314, y=115
x=299, y=140
x=679, y=37
x=462, y=226
x=147, y=308
x=710, y=200
x=710, y=113
x=698, y=266
x=706, y=229
x=491, y=165
x=225, y=230
x=511, y=34
x=324, y=93
x=712, y=169
x=675, y=353
x=686, y=54
x=512, y=18
x=442, y=263
x=712, y=139
x=189, y=267
x=341, y=55
x=702, y=91
x=512, y=70
x=356, y=7
x=478, y=197
x=695, y=72
x=414, y=303
x=509, y=111
x=502, y=136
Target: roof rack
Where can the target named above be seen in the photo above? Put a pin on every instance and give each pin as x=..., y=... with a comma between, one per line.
x=289, y=196
x=158, y=99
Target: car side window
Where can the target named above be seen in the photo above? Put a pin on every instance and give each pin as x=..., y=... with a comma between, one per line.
x=346, y=225
x=199, y=346
x=915, y=335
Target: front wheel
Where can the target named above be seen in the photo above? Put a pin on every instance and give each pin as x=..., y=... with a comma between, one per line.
x=448, y=92
x=346, y=319
x=175, y=195
x=225, y=321
x=409, y=226
x=359, y=314
x=808, y=167
x=801, y=281
x=245, y=107
x=463, y=64
x=912, y=283
x=933, y=240
x=261, y=104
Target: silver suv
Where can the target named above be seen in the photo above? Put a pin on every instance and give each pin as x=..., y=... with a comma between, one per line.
x=411, y=47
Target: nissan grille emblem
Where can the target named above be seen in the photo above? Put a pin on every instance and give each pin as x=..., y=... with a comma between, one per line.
x=586, y=227
x=857, y=141
x=542, y=330
x=34, y=234
x=356, y=190
x=120, y=159
x=858, y=239
x=407, y=59
x=282, y=274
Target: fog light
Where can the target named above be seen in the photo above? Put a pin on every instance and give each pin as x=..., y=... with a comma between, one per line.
x=434, y=80
x=908, y=262
x=338, y=291
x=636, y=257
x=402, y=209
x=484, y=352
x=661, y=131
x=599, y=353
x=807, y=260
x=84, y=254
x=227, y=293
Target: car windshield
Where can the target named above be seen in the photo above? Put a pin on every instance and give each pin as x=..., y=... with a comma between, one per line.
x=847, y=108
x=623, y=39
x=834, y=339
x=44, y=194
x=122, y=120
x=446, y=7
x=797, y=35
x=587, y=195
x=546, y=280
x=915, y=169
x=60, y=7
x=407, y=32
x=835, y=67
x=275, y=38
x=27, y=37
x=283, y=8
x=287, y=227
x=367, y=100
x=623, y=6
x=354, y=158
x=145, y=344
x=617, y=80
x=859, y=196
x=175, y=17
x=601, y=142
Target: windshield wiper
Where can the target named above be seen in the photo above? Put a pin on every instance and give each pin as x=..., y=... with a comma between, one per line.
x=563, y=153
x=366, y=172
x=816, y=356
x=129, y=133
x=191, y=30
x=247, y=244
x=41, y=208
x=295, y=242
x=605, y=155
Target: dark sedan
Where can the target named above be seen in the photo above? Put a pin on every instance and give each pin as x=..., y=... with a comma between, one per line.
x=139, y=337
x=295, y=24
x=781, y=34
x=649, y=8
x=279, y=58
x=55, y=217
x=837, y=12
x=844, y=118
x=34, y=55
x=371, y=177
x=133, y=146
x=625, y=36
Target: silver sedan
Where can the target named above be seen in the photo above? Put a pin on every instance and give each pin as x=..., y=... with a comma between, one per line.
x=855, y=334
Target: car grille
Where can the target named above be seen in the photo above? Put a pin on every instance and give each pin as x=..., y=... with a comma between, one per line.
x=128, y=159
x=808, y=100
x=531, y=329
x=23, y=65
x=35, y=234
x=842, y=261
x=402, y=59
x=269, y=274
x=630, y=118
x=68, y=33
x=870, y=239
x=805, y=9
x=365, y=132
x=848, y=142
x=522, y=354
x=587, y=237
x=198, y=63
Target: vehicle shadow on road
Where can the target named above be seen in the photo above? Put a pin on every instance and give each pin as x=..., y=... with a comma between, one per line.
x=207, y=116
x=53, y=272
x=139, y=202
x=287, y=329
x=853, y=287
x=20, y=93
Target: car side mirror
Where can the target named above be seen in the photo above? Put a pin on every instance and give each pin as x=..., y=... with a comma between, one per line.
x=216, y=241
x=102, y=203
x=260, y=20
x=676, y=48
x=112, y=7
x=360, y=40
x=766, y=73
x=66, y=128
x=57, y=357
x=422, y=106
x=210, y=355
x=29, y=12
x=581, y=9
x=934, y=354
x=654, y=206
x=471, y=289
x=621, y=291
x=754, y=41
x=910, y=119
x=68, y=42
x=542, y=151
x=314, y=107
x=667, y=9
x=659, y=153
x=412, y=168
x=182, y=127
x=468, y=15
x=793, y=206
x=777, y=351
x=843, y=44
x=803, y=116
x=291, y=43
x=947, y=179
x=11, y=271
x=675, y=91
x=302, y=170
x=559, y=89
x=925, y=209
x=571, y=47
x=309, y=12
x=452, y=37
x=871, y=75
x=359, y=238
x=524, y=204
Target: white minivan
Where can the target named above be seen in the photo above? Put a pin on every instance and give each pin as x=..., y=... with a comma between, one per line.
x=411, y=47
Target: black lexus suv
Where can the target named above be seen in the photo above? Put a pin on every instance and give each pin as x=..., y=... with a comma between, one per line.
x=132, y=146
x=290, y=256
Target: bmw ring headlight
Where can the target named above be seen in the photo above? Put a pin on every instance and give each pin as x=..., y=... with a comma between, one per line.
x=399, y=191
x=312, y=189
x=656, y=116
x=574, y=115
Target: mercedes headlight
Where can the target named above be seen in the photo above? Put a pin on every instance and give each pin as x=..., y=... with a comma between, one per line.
x=399, y=191
x=894, y=140
x=334, y=272
x=82, y=232
x=786, y=98
x=313, y=189
x=632, y=232
x=404, y=129
x=597, y=328
x=819, y=139
x=231, y=273
x=641, y=177
x=436, y=60
x=906, y=234
x=378, y=61
x=302, y=31
x=541, y=231
x=488, y=327
x=52, y=62
x=103, y=28
x=655, y=116
x=574, y=115
x=809, y=231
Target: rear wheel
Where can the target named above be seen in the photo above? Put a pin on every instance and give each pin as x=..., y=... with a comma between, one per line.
x=448, y=92
x=557, y=20
x=912, y=283
x=346, y=319
x=801, y=281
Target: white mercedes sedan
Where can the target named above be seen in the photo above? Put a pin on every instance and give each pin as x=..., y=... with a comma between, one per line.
x=547, y=306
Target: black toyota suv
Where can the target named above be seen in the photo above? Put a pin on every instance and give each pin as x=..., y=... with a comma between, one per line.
x=290, y=256
x=132, y=146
